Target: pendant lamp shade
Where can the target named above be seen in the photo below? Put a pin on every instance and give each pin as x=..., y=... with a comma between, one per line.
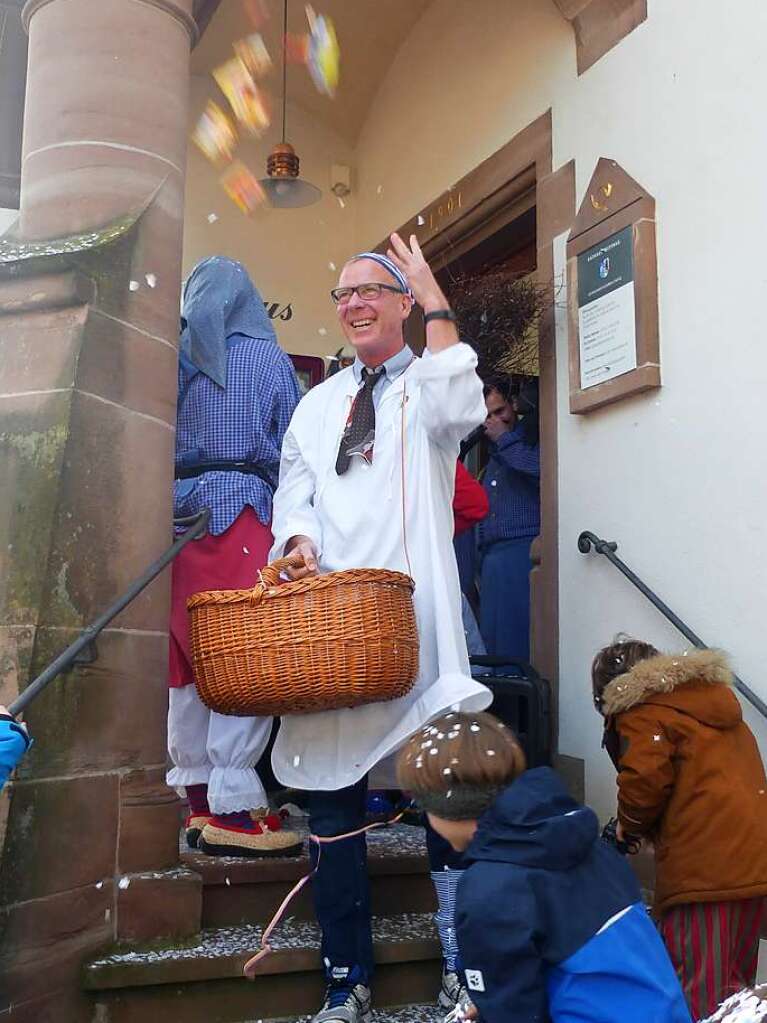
x=283, y=187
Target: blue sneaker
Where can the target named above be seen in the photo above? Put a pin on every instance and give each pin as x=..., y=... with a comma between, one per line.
x=347, y=999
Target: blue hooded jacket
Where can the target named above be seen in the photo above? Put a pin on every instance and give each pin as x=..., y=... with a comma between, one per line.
x=550, y=921
x=14, y=743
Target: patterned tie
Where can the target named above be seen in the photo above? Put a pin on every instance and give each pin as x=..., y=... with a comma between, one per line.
x=360, y=433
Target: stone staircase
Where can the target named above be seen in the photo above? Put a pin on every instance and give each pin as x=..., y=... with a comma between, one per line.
x=198, y=977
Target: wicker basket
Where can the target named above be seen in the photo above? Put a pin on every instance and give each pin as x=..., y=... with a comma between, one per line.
x=336, y=640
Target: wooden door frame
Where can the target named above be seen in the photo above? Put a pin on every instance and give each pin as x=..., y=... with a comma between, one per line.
x=496, y=192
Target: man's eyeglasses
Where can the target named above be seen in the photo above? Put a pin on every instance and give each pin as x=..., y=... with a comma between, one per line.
x=367, y=292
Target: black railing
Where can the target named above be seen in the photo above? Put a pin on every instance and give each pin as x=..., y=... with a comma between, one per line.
x=587, y=540
x=83, y=651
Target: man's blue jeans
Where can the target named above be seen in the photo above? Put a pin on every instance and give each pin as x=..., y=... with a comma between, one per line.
x=342, y=886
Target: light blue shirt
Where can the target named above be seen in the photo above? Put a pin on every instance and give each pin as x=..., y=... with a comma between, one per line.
x=393, y=368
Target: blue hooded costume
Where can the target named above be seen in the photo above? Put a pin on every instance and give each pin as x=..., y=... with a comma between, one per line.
x=237, y=392
x=14, y=743
x=550, y=920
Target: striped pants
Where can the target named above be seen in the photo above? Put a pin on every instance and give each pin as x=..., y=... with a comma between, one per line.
x=714, y=947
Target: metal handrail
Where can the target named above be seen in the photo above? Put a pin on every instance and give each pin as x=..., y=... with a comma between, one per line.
x=587, y=540
x=195, y=525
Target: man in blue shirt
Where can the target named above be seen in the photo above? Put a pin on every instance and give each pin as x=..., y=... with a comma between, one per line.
x=512, y=483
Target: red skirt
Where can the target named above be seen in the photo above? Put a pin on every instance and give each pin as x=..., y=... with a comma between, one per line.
x=229, y=561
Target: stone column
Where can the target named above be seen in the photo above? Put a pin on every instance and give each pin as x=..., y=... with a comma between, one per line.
x=88, y=331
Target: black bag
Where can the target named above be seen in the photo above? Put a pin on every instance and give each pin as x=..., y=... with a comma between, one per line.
x=522, y=700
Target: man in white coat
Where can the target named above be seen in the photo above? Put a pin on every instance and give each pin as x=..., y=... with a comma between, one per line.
x=366, y=481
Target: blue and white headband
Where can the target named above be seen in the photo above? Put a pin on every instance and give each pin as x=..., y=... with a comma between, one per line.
x=387, y=264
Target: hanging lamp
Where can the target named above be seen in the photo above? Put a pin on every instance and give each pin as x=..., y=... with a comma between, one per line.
x=284, y=188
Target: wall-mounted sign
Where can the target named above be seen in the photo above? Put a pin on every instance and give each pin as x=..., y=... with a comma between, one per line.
x=606, y=313
x=612, y=292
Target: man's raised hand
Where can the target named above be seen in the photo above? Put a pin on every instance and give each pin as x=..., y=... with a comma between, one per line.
x=412, y=263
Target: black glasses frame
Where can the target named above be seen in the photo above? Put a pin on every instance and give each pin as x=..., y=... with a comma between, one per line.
x=337, y=293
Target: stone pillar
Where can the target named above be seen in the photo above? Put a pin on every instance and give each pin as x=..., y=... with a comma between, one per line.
x=13, y=74
x=88, y=331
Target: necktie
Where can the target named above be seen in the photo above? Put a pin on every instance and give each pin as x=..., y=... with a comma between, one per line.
x=359, y=435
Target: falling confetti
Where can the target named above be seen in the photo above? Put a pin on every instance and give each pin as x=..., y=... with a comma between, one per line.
x=151, y=280
x=296, y=760
x=379, y=190
x=257, y=11
x=322, y=331
x=245, y=550
x=421, y=220
x=227, y=881
x=243, y=187
x=124, y=883
x=341, y=203
x=215, y=135
x=248, y=102
x=324, y=56
x=491, y=752
x=134, y=285
x=212, y=218
x=254, y=55
x=100, y=885
x=446, y=770
x=332, y=266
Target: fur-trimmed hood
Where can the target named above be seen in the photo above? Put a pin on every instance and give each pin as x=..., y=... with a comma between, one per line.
x=698, y=683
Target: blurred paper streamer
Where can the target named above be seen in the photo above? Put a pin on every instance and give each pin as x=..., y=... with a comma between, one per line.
x=215, y=134
x=243, y=187
x=257, y=11
x=254, y=55
x=324, y=58
x=249, y=104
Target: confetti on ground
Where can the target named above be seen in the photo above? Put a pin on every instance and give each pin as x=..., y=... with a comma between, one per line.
x=151, y=280
x=134, y=285
x=243, y=187
x=215, y=135
x=124, y=883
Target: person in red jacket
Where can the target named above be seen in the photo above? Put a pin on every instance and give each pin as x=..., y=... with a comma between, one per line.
x=470, y=502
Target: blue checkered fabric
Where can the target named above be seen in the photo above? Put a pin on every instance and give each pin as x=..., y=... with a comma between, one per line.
x=245, y=422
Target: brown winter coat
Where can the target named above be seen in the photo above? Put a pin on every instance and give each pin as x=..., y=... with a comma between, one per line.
x=690, y=778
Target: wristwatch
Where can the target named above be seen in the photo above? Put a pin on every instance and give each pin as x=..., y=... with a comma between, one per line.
x=440, y=314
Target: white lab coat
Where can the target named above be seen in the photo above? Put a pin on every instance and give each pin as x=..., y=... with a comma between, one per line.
x=356, y=521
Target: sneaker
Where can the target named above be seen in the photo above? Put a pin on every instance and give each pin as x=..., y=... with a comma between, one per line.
x=193, y=826
x=220, y=838
x=452, y=994
x=345, y=1003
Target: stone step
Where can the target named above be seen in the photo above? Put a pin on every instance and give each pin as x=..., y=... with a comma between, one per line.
x=241, y=891
x=202, y=981
x=427, y=1013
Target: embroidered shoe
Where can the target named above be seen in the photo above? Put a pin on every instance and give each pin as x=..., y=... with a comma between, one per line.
x=193, y=826
x=220, y=838
x=345, y=1004
x=453, y=995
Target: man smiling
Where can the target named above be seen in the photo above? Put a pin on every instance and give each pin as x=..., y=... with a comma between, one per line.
x=366, y=481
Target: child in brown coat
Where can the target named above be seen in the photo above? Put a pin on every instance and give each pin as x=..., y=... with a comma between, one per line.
x=691, y=780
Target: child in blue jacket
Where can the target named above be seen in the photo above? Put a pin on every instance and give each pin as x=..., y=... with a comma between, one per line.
x=549, y=918
x=14, y=743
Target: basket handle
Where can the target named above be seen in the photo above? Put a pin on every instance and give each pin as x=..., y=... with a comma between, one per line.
x=269, y=575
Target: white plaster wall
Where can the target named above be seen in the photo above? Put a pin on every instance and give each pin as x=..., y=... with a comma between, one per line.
x=287, y=252
x=678, y=477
